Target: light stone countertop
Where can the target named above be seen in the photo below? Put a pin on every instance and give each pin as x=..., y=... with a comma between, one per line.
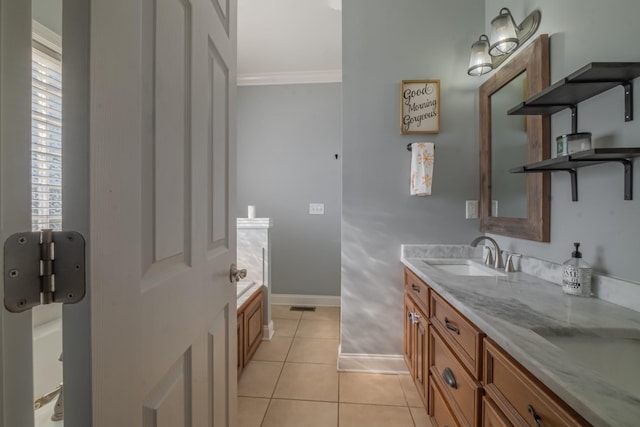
x=508, y=308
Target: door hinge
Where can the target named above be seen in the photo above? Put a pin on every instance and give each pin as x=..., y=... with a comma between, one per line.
x=43, y=267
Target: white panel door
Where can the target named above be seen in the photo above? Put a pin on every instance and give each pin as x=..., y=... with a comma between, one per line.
x=16, y=371
x=162, y=196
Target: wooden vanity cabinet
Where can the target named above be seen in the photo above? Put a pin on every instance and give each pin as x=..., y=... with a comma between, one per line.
x=522, y=399
x=448, y=356
x=250, y=328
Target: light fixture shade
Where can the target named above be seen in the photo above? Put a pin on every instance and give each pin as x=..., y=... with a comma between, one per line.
x=480, y=61
x=504, y=38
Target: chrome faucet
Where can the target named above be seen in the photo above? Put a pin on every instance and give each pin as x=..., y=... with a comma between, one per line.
x=498, y=253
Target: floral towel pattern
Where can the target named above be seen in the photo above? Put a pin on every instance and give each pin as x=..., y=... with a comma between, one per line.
x=422, y=158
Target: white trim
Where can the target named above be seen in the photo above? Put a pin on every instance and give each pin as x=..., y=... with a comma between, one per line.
x=305, y=300
x=268, y=331
x=254, y=223
x=372, y=363
x=290, y=78
x=46, y=37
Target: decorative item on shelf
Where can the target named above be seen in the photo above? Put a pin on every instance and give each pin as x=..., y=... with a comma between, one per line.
x=506, y=37
x=420, y=111
x=572, y=143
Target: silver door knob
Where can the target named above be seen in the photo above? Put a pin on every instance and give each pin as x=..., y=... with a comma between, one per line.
x=235, y=274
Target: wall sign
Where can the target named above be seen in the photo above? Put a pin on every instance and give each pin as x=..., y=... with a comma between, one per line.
x=420, y=111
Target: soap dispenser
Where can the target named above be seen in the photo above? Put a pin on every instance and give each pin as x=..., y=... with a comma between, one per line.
x=576, y=275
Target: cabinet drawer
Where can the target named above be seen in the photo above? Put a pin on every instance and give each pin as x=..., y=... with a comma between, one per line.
x=418, y=290
x=465, y=339
x=520, y=396
x=492, y=416
x=462, y=390
x=441, y=415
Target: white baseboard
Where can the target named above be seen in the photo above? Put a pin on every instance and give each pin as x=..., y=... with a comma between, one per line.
x=305, y=300
x=268, y=331
x=373, y=363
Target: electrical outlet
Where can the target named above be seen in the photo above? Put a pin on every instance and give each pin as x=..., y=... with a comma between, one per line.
x=471, y=209
x=316, y=208
x=494, y=208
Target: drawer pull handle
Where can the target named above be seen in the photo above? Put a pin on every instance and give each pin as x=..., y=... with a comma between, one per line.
x=415, y=288
x=450, y=326
x=535, y=416
x=448, y=377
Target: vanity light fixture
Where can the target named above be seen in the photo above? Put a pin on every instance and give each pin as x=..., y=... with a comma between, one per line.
x=506, y=37
x=480, y=62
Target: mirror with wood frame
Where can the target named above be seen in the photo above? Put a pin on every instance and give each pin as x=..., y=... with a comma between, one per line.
x=528, y=71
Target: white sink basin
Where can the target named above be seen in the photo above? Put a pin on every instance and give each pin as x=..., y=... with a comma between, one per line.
x=462, y=267
x=613, y=353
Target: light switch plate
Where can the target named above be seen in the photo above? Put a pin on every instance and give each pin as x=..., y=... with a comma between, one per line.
x=471, y=209
x=494, y=208
x=316, y=208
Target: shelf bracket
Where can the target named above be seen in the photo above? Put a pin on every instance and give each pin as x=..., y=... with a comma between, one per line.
x=574, y=118
x=574, y=183
x=628, y=179
x=628, y=101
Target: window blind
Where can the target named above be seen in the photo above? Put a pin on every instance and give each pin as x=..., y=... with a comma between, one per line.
x=46, y=142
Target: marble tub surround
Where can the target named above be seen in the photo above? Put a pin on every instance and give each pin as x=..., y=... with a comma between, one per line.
x=254, y=253
x=510, y=309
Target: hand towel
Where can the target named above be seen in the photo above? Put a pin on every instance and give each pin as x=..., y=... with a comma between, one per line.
x=421, y=168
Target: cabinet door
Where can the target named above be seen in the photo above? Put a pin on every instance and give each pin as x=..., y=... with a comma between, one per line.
x=421, y=355
x=409, y=341
x=253, y=326
x=240, y=329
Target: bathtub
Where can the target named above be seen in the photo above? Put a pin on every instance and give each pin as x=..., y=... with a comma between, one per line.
x=47, y=369
x=245, y=290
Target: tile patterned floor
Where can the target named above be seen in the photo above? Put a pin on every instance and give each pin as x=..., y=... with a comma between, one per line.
x=292, y=381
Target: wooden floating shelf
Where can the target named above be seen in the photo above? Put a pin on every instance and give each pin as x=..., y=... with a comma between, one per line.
x=594, y=156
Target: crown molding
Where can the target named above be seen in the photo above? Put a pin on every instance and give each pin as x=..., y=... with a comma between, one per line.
x=289, y=78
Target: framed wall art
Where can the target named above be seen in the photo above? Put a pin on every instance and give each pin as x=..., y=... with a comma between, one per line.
x=420, y=110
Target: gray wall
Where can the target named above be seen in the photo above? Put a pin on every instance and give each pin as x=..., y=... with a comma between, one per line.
x=48, y=13
x=384, y=43
x=288, y=136
x=608, y=227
